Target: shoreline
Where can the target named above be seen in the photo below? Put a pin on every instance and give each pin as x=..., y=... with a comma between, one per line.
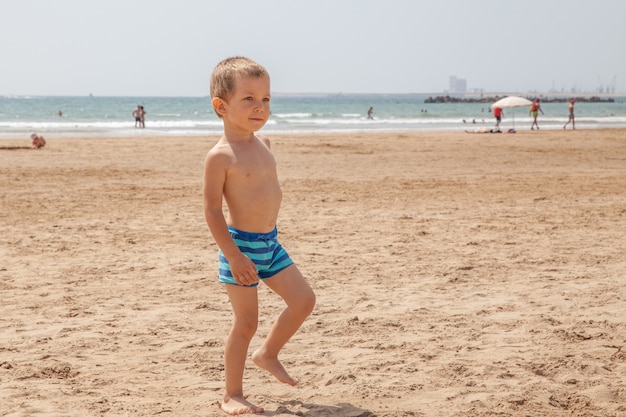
x=144, y=134
x=94, y=117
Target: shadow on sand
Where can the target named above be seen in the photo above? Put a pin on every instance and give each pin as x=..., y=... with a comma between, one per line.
x=298, y=408
x=14, y=148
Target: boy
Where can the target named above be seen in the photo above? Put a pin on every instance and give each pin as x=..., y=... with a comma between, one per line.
x=241, y=169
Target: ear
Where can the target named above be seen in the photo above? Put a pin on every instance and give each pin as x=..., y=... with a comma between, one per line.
x=219, y=106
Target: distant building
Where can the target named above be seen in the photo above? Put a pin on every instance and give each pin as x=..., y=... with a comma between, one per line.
x=458, y=85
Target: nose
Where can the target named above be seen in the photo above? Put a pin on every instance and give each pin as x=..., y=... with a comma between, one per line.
x=261, y=106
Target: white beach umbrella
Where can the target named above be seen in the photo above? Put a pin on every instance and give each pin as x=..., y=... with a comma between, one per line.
x=512, y=101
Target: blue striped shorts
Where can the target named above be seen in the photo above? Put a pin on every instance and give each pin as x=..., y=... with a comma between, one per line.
x=262, y=248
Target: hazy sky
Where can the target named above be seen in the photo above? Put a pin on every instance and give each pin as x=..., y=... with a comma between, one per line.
x=169, y=48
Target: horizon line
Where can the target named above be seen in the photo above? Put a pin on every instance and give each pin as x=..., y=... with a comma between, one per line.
x=340, y=93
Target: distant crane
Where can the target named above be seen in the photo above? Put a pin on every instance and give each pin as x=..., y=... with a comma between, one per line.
x=613, y=84
x=609, y=87
x=601, y=88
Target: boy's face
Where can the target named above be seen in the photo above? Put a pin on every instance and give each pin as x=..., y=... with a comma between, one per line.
x=249, y=106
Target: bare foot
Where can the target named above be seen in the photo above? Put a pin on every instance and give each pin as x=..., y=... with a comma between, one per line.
x=274, y=367
x=238, y=405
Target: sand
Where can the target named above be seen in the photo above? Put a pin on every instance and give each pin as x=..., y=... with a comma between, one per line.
x=456, y=275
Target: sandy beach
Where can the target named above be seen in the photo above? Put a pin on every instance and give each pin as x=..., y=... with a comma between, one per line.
x=456, y=274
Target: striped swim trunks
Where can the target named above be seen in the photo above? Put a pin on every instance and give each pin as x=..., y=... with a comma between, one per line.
x=262, y=248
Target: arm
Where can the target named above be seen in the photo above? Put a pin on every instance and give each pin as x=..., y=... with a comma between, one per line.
x=243, y=269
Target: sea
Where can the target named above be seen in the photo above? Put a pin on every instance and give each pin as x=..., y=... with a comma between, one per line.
x=93, y=116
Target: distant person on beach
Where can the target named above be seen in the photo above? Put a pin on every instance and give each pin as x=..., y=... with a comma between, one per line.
x=571, y=115
x=241, y=170
x=535, y=108
x=484, y=130
x=497, y=113
x=38, y=141
x=369, y=113
x=139, y=114
x=143, y=117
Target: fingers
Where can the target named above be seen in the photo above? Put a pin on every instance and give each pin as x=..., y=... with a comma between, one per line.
x=246, y=278
x=243, y=270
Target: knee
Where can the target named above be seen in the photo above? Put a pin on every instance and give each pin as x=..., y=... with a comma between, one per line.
x=244, y=329
x=305, y=304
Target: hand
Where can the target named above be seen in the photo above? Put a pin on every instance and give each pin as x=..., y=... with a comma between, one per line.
x=243, y=269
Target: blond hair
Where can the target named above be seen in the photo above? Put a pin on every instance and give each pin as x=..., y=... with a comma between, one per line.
x=227, y=71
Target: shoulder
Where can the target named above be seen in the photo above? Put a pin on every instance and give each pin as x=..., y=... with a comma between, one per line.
x=264, y=139
x=220, y=154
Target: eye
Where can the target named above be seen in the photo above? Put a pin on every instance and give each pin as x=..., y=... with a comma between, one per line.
x=266, y=99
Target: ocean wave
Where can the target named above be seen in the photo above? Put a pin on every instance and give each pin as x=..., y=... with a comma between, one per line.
x=105, y=125
x=285, y=115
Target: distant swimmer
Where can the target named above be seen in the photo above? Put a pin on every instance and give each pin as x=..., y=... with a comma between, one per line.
x=571, y=115
x=369, y=113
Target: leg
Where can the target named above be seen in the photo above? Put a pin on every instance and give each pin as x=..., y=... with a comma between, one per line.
x=245, y=303
x=300, y=299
